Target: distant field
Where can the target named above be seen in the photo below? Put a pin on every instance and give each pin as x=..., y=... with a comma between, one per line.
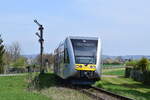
x=126, y=87
x=112, y=65
x=15, y=88
x=114, y=71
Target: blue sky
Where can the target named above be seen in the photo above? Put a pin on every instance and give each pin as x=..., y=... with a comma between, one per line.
x=123, y=25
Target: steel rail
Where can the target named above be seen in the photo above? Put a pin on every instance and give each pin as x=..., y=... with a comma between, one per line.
x=97, y=93
x=114, y=95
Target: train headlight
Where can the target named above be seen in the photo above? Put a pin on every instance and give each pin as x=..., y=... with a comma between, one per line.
x=91, y=67
x=80, y=66
x=77, y=66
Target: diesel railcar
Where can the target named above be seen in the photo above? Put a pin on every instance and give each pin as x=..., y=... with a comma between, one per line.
x=78, y=58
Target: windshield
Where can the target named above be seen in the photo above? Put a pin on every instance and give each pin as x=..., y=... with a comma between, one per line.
x=85, y=60
x=85, y=51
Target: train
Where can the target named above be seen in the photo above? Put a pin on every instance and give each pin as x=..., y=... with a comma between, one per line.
x=79, y=59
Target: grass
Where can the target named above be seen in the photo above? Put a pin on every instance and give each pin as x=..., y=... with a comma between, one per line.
x=112, y=65
x=47, y=88
x=15, y=88
x=51, y=87
x=61, y=93
x=114, y=71
x=126, y=87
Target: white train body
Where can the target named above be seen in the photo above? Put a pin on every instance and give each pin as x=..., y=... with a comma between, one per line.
x=78, y=57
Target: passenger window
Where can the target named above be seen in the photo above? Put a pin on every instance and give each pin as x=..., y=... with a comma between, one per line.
x=66, y=56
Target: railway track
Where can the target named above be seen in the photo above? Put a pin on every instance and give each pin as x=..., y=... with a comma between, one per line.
x=101, y=94
x=96, y=93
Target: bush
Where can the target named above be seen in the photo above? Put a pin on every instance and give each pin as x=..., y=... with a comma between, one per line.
x=149, y=67
x=20, y=62
x=137, y=75
x=143, y=64
x=132, y=63
x=140, y=71
x=146, y=76
x=127, y=72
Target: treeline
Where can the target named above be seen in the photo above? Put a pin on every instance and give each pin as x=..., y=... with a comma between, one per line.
x=11, y=58
x=116, y=61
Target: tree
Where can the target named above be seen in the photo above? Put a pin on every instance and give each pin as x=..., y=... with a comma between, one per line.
x=143, y=64
x=20, y=62
x=118, y=60
x=12, y=52
x=13, y=55
x=132, y=63
x=2, y=51
x=46, y=58
x=7, y=56
x=108, y=61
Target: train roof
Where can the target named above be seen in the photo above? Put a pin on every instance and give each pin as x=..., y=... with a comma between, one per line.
x=80, y=37
x=77, y=37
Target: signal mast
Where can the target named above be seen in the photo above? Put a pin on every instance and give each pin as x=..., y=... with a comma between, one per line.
x=41, y=41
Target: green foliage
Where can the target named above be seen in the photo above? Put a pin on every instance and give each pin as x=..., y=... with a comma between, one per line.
x=1, y=69
x=20, y=62
x=2, y=51
x=127, y=72
x=132, y=63
x=149, y=67
x=140, y=71
x=12, y=54
x=143, y=64
x=45, y=81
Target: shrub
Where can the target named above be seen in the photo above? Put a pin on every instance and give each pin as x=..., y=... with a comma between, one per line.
x=132, y=63
x=20, y=62
x=140, y=71
x=127, y=72
x=143, y=64
x=149, y=67
x=146, y=76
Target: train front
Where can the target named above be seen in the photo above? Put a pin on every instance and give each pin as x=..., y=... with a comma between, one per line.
x=87, y=53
